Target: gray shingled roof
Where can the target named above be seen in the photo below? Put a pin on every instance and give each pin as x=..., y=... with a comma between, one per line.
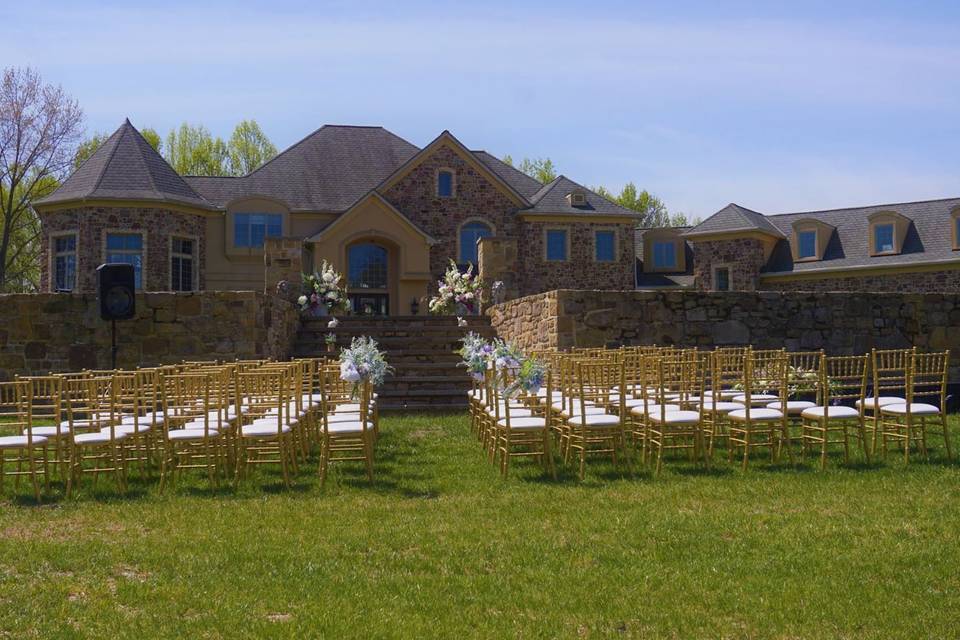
x=552, y=198
x=328, y=170
x=521, y=182
x=733, y=217
x=928, y=238
x=125, y=167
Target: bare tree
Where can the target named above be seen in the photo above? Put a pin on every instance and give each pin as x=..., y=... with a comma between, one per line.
x=40, y=126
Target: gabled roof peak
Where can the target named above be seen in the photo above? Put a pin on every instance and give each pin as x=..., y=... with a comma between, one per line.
x=734, y=218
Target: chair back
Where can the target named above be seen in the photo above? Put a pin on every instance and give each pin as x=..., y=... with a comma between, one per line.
x=928, y=378
x=890, y=371
x=15, y=408
x=843, y=380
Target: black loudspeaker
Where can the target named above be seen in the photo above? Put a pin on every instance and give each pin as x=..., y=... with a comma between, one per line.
x=116, y=291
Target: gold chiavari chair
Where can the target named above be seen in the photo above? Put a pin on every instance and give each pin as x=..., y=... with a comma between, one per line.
x=843, y=385
x=761, y=426
x=526, y=435
x=723, y=370
x=266, y=434
x=347, y=440
x=682, y=376
x=591, y=429
x=96, y=444
x=889, y=385
x=48, y=418
x=655, y=386
x=496, y=409
x=926, y=380
x=193, y=406
x=27, y=448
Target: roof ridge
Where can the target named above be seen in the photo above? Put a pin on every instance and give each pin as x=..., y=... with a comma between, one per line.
x=113, y=151
x=865, y=206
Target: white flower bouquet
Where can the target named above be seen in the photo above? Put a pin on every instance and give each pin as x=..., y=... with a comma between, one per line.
x=362, y=362
x=458, y=293
x=325, y=289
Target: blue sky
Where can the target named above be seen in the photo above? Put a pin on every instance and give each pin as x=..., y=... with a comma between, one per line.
x=777, y=106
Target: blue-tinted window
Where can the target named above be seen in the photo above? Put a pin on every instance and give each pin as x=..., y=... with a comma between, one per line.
x=249, y=229
x=883, y=238
x=807, y=244
x=604, y=246
x=721, y=279
x=65, y=263
x=556, y=244
x=664, y=255
x=367, y=267
x=470, y=233
x=445, y=184
x=127, y=248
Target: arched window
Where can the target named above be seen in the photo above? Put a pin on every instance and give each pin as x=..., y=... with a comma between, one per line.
x=469, y=234
x=367, y=267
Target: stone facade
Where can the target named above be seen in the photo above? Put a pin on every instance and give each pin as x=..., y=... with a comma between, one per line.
x=498, y=258
x=92, y=224
x=906, y=282
x=283, y=267
x=40, y=333
x=580, y=270
x=840, y=323
x=475, y=198
x=744, y=256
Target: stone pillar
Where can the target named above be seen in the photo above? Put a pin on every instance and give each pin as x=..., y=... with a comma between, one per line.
x=283, y=267
x=497, y=258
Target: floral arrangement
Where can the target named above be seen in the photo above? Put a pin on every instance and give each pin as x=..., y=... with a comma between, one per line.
x=363, y=362
x=458, y=293
x=476, y=354
x=325, y=289
x=530, y=378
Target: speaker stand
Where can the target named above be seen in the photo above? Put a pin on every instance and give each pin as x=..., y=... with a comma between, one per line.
x=113, y=345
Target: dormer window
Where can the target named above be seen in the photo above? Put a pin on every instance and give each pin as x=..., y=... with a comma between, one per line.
x=445, y=183
x=663, y=250
x=577, y=199
x=807, y=244
x=883, y=238
x=810, y=238
x=955, y=223
x=888, y=229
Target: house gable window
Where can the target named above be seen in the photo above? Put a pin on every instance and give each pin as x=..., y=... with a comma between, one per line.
x=556, y=244
x=605, y=245
x=955, y=223
x=445, y=183
x=127, y=248
x=664, y=254
x=250, y=229
x=807, y=244
x=470, y=234
x=64, y=262
x=182, y=271
x=888, y=230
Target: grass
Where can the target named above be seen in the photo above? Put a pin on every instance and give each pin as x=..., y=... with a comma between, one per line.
x=440, y=546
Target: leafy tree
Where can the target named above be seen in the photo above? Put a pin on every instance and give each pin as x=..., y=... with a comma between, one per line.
x=249, y=148
x=540, y=169
x=193, y=151
x=91, y=144
x=40, y=126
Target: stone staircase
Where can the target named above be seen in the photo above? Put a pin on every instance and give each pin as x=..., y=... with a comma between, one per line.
x=421, y=349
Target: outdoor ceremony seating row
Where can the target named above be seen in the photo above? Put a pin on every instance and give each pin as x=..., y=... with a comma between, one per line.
x=219, y=418
x=657, y=399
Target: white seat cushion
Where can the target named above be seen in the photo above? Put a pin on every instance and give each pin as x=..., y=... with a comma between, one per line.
x=595, y=420
x=794, y=407
x=263, y=428
x=524, y=424
x=50, y=432
x=515, y=412
x=654, y=409
x=676, y=417
x=354, y=426
x=19, y=442
x=191, y=434
x=916, y=408
x=756, y=399
x=724, y=394
x=97, y=438
x=757, y=414
x=870, y=403
x=834, y=412
x=128, y=429
x=721, y=406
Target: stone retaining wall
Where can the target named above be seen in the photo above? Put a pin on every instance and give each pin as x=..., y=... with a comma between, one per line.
x=840, y=323
x=45, y=332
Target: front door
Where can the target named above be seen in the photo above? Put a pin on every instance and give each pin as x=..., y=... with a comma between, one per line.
x=368, y=279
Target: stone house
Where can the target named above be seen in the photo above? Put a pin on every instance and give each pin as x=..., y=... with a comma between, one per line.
x=386, y=213
x=906, y=247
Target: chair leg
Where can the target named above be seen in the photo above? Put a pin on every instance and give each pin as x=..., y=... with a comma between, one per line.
x=946, y=435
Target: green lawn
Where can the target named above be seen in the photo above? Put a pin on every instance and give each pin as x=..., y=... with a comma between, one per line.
x=440, y=546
